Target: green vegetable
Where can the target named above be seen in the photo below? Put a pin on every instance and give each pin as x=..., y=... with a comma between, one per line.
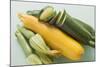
x=53, y=20
x=47, y=13
x=44, y=58
x=31, y=58
x=37, y=43
x=61, y=18
x=37, y=57
x=34, y=59
x=23, y=43
x=27, y=33
x=88, y=27
x=34, y=13
x=76, y=30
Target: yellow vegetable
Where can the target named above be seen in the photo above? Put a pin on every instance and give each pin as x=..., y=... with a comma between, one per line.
x=55, y=38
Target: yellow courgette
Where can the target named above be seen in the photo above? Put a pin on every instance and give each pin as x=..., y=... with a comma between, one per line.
x=55, y=38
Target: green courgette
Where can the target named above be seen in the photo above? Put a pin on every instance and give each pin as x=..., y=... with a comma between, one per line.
x=80, y=32
x=47, y=13
x=53, y=19
x=26, y=33
x=32, y=58
x=63, y=18
x=72, y=33
x=34, y=13
x=60, y=17
x=23, y=43
x=45, y=58
x=88, y=27
x=36, y=57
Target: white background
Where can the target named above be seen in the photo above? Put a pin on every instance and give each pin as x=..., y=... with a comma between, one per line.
x=5, y=33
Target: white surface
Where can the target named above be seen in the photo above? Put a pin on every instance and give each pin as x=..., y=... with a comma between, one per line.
x=89, y=2
x=4, y=34
x=85, y=13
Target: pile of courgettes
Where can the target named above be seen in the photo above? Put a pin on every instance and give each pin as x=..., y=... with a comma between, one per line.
x=33, y=44
x=34, y=47
x=79, y=30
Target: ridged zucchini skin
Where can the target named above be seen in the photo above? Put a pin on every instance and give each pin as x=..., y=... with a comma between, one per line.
x=72, y=33
x=23, y=43
x=32, y=58
x=86, y=26
x=75, y=28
